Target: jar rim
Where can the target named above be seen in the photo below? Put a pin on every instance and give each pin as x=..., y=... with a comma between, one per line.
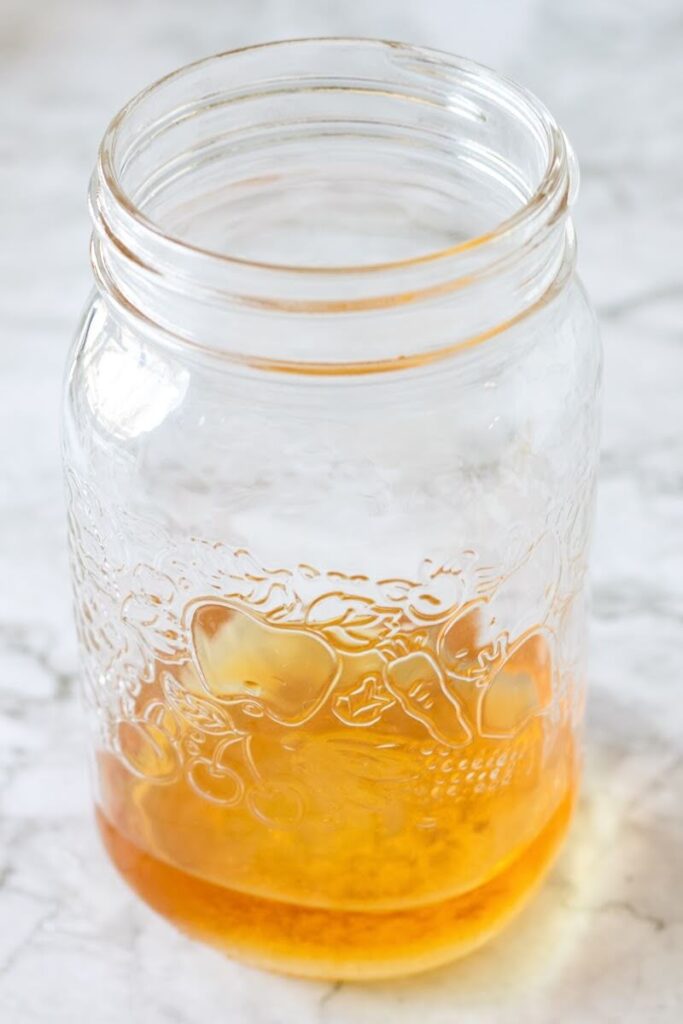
x=553, y=193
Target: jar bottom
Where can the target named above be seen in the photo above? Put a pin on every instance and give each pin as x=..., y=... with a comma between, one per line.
x=331, y=944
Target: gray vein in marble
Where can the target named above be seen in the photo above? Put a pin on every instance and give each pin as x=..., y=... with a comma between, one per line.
x=326, y=998
x=16, y=639
x=619, y=907
x=631, y=303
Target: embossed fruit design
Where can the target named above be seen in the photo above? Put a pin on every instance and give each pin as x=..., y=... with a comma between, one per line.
x=421, y=690
x=347, y=747
x=285, y=671
x=520, y=688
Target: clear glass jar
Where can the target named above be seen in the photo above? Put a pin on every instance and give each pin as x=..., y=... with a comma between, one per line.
x=330, y=445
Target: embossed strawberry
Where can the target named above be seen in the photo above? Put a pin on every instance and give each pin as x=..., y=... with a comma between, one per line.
x=362, y=696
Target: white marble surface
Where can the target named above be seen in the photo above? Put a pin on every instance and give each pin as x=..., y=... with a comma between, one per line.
x=604, y=941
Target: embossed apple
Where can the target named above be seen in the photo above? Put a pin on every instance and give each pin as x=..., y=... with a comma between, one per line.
x=519, y=690
x=282, y=671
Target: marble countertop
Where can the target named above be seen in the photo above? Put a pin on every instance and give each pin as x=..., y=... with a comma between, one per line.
x=604, y=940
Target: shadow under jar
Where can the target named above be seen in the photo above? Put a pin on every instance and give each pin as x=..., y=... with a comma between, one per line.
x=330, y=444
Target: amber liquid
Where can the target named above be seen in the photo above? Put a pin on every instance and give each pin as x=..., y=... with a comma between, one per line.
x=332, y=812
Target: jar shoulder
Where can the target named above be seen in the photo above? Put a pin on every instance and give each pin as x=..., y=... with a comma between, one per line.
x=119, y=385
x=123, y=386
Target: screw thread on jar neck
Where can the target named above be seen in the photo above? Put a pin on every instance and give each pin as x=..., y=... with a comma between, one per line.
x=455, y=182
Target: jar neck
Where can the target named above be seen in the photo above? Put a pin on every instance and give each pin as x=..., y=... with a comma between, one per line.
x=458, y=181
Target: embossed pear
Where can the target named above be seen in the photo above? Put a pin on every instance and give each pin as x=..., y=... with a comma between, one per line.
x=419, y=687
x=282, y=671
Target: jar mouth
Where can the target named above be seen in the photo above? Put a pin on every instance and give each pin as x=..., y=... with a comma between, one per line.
x=433, y=172
x=553, y=187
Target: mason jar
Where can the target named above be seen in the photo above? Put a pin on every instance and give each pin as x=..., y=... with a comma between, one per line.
x=330, y=444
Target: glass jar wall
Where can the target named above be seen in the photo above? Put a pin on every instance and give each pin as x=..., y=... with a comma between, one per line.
x=330, y=443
